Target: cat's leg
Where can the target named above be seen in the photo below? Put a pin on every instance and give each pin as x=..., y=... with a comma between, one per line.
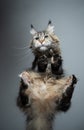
x=65, y=101
x=42, y=63
x=34, y=63
x=56, y=64
x=22, y=99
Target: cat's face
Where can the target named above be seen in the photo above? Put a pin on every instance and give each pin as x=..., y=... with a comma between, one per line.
x=42, y=40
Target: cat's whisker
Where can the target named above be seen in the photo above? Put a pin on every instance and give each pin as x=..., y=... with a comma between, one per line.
x=23, y=57
x=21, y=48
x=26, y=54
x=22, y=54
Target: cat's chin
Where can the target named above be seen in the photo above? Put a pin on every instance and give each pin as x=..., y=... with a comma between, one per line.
x=43, y=48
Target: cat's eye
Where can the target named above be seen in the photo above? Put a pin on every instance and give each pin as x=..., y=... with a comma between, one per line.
x=37, y=38
x=46, y=36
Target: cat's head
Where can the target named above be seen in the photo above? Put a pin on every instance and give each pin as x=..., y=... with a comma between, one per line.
x=43, y=39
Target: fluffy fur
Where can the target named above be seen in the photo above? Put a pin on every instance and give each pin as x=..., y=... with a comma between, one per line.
x=45, y=46
x=41, y=96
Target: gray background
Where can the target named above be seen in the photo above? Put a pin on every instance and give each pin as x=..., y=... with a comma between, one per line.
x=15, y=19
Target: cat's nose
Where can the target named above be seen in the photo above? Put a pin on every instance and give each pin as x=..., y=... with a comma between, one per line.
x=41, y=41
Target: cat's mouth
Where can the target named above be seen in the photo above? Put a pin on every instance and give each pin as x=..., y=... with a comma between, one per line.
x=42, y=47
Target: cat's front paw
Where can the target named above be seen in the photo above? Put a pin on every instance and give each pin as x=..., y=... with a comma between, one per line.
x=56, y=65
x=42, y=63
x=56, y=60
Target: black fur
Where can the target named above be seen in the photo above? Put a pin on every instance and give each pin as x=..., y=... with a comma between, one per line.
x=42, y=63
x=65, y=102
x=22, y=99
x=32, y=26
x=49, y=22
x=56, y=67
x=34, y=63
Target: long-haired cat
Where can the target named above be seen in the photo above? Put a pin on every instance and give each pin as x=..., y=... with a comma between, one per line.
x=45, y=46
x=41, y=96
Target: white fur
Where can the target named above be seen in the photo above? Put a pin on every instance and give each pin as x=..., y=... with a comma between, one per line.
x=43, y=87
x=50, y=29
x=42, y=46
x=25, y=77
x=33, y=31
x=37, y=44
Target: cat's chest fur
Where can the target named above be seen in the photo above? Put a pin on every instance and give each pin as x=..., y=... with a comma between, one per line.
x=48, y=52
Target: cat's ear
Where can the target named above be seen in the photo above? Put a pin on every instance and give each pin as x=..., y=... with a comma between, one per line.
x=25, y=76
x=33, y=31
x=50, y=28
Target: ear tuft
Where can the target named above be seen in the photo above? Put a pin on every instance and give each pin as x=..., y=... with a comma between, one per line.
x=32, y=31
x=50, y=28
x=49, y=22
x=32, y=26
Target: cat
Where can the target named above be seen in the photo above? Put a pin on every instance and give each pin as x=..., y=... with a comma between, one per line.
x=45, y=47
x=41, y=96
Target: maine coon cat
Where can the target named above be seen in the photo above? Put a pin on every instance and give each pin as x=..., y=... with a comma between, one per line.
x=41, y=96
x=45, y=47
